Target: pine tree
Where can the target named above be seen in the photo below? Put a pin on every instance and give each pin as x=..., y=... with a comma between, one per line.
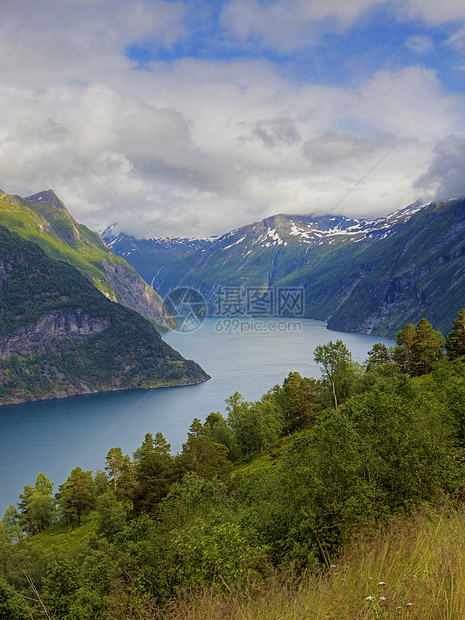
x=403, y=353
x=455, y=342
x=77, y=495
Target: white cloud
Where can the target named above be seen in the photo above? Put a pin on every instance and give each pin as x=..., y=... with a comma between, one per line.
x=332, y=147
x=202, y=146
x=286, y=25
x=457, y=40
x=420, y=44
x=81, y=40
x=445, y=176
x=431, y=11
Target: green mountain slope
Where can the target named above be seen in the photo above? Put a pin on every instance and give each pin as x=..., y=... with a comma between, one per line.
x=59, y=336
x=44, y=219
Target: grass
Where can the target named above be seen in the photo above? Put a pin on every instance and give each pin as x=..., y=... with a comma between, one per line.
x=59, y=537
x=414, y=568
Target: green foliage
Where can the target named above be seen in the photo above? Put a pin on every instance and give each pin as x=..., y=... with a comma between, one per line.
x=10, y=524
x=209, y=553
x=379, y=355
x=184, y=523
x=155, y=473
x=193, y=497
x=455, y=342
x=418, y=348
x=12, y=605
x=338, y=370
x=77, y=495
x=205, y=457
x=37, y=509
x=300, y=399
x=255, y=426
x=111, y=515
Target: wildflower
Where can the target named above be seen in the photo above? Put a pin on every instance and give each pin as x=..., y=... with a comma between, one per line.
x=381, y=583
x=410, y=604
x=370, y=598
x=382, y=598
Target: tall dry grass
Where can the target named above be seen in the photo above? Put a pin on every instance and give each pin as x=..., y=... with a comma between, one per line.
x=413, y=568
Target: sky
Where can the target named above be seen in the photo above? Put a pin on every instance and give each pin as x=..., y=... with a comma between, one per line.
x=194, y=117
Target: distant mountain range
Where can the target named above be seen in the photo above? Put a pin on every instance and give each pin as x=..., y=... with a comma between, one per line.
x=366, y=276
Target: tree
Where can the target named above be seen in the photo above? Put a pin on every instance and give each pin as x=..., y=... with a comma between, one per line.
x=403, y=353
x=300, y=399
x=255, y=425
x=455, y=342
x=335, y=360
x=145, y=449
x=379, y=355
x=111, y=515
x=196, y=428
x=115, y=464
x=101, y=482
x=418, y=348
x=427, y=348
x=206, y=458
x=77, y=495
x=154, y=475
x=37, y=509
x=219, y=431
x=10, y=524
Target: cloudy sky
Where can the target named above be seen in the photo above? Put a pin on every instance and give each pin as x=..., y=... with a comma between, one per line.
x=193, y=117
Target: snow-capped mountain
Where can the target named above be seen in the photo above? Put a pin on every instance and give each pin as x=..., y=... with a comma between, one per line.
x=362, y=275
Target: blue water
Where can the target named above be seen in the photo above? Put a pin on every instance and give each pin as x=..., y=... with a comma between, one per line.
x=56, y=436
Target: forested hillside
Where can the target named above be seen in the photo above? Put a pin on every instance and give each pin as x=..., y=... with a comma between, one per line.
x=60, y=336
x=263, y=494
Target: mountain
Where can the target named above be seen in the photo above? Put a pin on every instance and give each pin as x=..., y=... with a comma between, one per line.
x=59, y=336
x=44, y=219
x=366, y=276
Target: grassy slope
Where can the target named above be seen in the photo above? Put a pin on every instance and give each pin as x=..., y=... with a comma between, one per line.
x=415, y=562
x=84, y=250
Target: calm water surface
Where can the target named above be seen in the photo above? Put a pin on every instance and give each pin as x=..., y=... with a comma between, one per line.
x=56, y=436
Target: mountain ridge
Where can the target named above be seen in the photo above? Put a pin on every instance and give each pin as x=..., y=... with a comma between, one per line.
x=44, y=219
x=357, y=275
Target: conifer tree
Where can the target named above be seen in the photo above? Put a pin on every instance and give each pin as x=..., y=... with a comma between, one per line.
x=455, y=342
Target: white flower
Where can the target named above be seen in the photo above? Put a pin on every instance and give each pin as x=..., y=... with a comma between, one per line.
x=381, y=583
x=370, y=598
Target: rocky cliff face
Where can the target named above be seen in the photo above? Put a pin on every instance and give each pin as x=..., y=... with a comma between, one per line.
x=131, y=291
x=52, y=332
